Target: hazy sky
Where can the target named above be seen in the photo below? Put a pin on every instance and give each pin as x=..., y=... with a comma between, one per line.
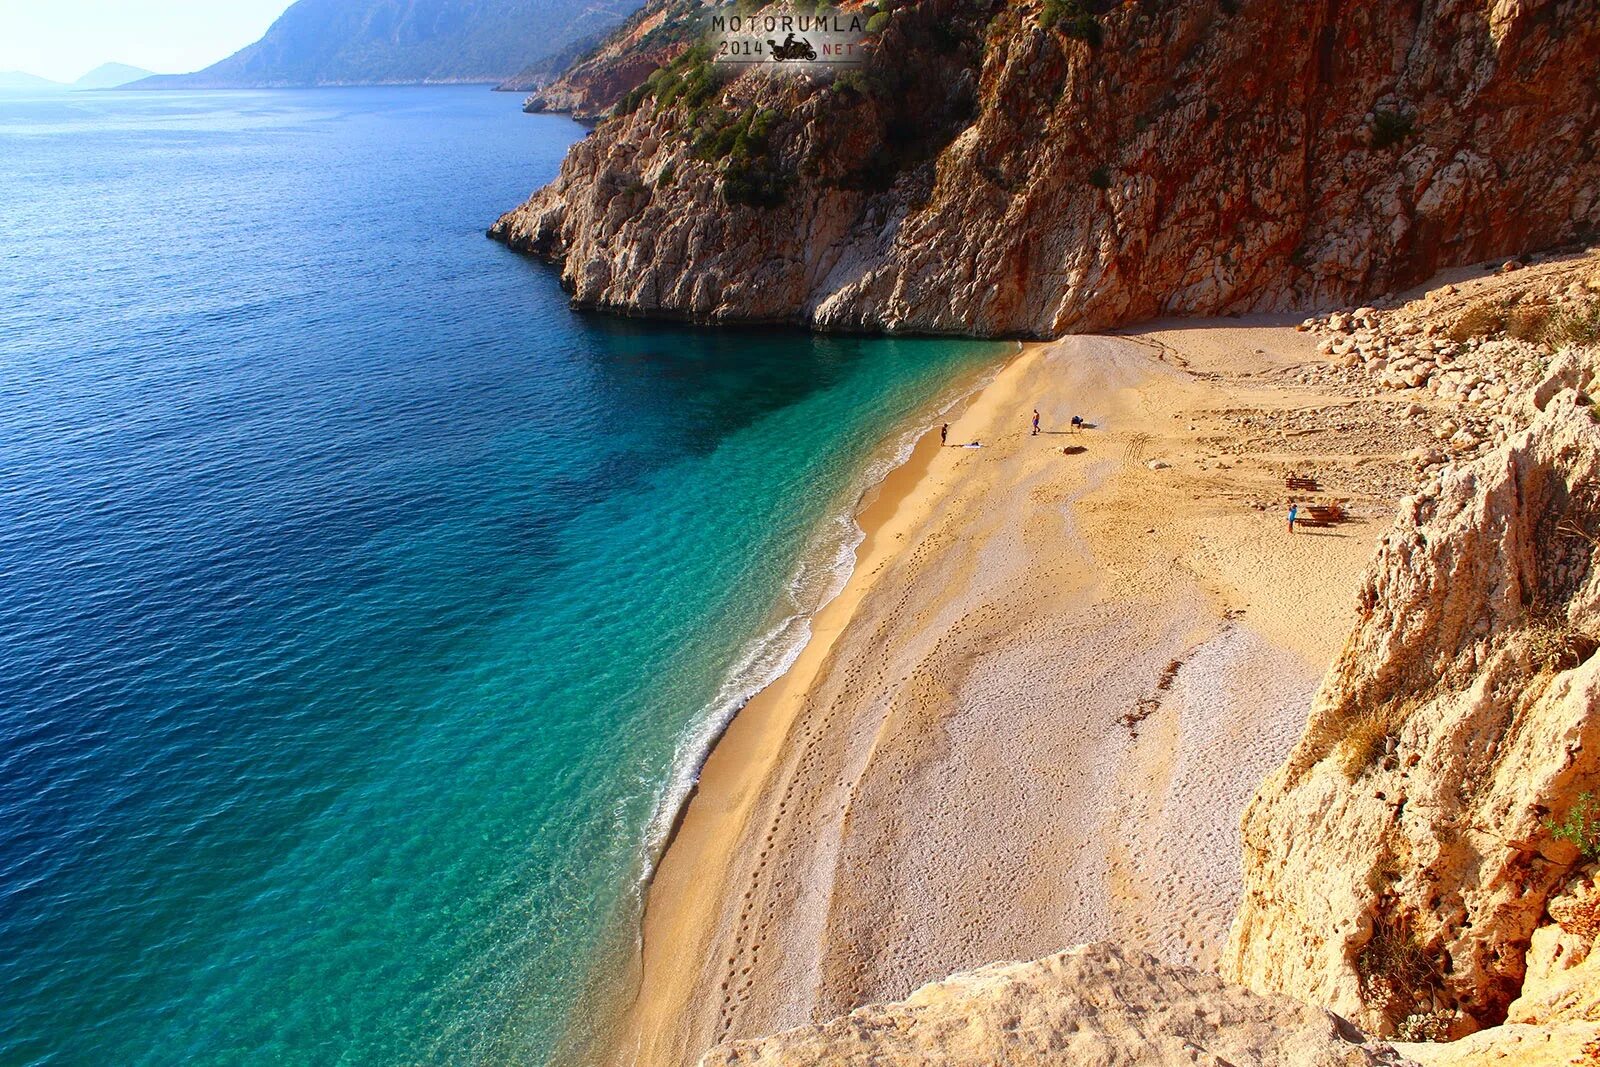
x=62, y=39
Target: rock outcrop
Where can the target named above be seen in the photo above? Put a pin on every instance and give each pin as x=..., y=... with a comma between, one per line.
x=592, y=83
x=1489, y=350
x=1091, y=1004
x=986, y=175
x=1403, y=868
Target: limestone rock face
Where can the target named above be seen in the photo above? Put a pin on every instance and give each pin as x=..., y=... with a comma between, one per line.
x=1091, y=1004
x=1513, y=1045
x=986, y=175
x=1399, y=866
x=1563, y=970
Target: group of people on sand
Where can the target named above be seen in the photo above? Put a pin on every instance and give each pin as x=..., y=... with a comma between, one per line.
x=944, y=430
x=1078, y=424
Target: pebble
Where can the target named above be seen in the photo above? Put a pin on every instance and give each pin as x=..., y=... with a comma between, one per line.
x=1480, y=382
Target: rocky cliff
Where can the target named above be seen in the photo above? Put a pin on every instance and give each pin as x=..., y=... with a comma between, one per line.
x=985, y=174
x=1091, y=1004
x=1417, y=864
x=593, y=83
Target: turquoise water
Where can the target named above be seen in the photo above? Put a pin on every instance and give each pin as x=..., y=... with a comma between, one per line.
x=362, y=608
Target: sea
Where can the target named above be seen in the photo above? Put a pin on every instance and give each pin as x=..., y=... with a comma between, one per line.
x=365, y=611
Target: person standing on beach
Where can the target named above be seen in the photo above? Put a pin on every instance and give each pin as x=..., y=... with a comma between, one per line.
x=1294, y=511
x=1036, y=422
x=944, y=434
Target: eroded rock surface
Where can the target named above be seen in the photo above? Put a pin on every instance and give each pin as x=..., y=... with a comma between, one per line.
x=1092, y=1004
x=987, y=175
x=1401, y=864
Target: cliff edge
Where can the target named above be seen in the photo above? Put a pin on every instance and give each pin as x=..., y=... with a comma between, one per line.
x=1090, y=1004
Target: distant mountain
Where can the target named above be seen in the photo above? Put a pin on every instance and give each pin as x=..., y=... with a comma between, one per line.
x=368, y=42
x=110, y=76
x=15, y=81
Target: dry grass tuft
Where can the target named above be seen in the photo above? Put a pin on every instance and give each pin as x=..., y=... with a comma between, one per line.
x=1479, y=320
x=1530, y=322
x=1574, y=324
x=1557, y=645
x=1394, y=968
x=1371, y=735
x=1577, y=325
x=1385, y=873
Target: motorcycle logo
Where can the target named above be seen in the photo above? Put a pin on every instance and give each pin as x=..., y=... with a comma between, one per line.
x=791, y=49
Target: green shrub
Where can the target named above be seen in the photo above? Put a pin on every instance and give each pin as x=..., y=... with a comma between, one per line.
x=715, y=139
x=753, y=184
x=691, y=79
x=1084, y=28
x=1391, y=127
x=877, y=22
x=749, y=176
x=1072, y=18
x=1581, y=827
x=851, y=81
x=1100, y=177
x=631, y=101
x=744, y=137
x=667, y=176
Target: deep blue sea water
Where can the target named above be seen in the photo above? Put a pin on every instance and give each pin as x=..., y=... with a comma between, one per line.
x=359, y=602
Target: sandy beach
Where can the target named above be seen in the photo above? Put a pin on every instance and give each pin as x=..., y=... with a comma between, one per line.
x=1035, y=713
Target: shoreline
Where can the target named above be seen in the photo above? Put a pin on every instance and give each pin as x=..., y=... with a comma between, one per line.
x=878, y=476
x=872, y=506
x=745, y=745
x=810, y=816
x=884, y=478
